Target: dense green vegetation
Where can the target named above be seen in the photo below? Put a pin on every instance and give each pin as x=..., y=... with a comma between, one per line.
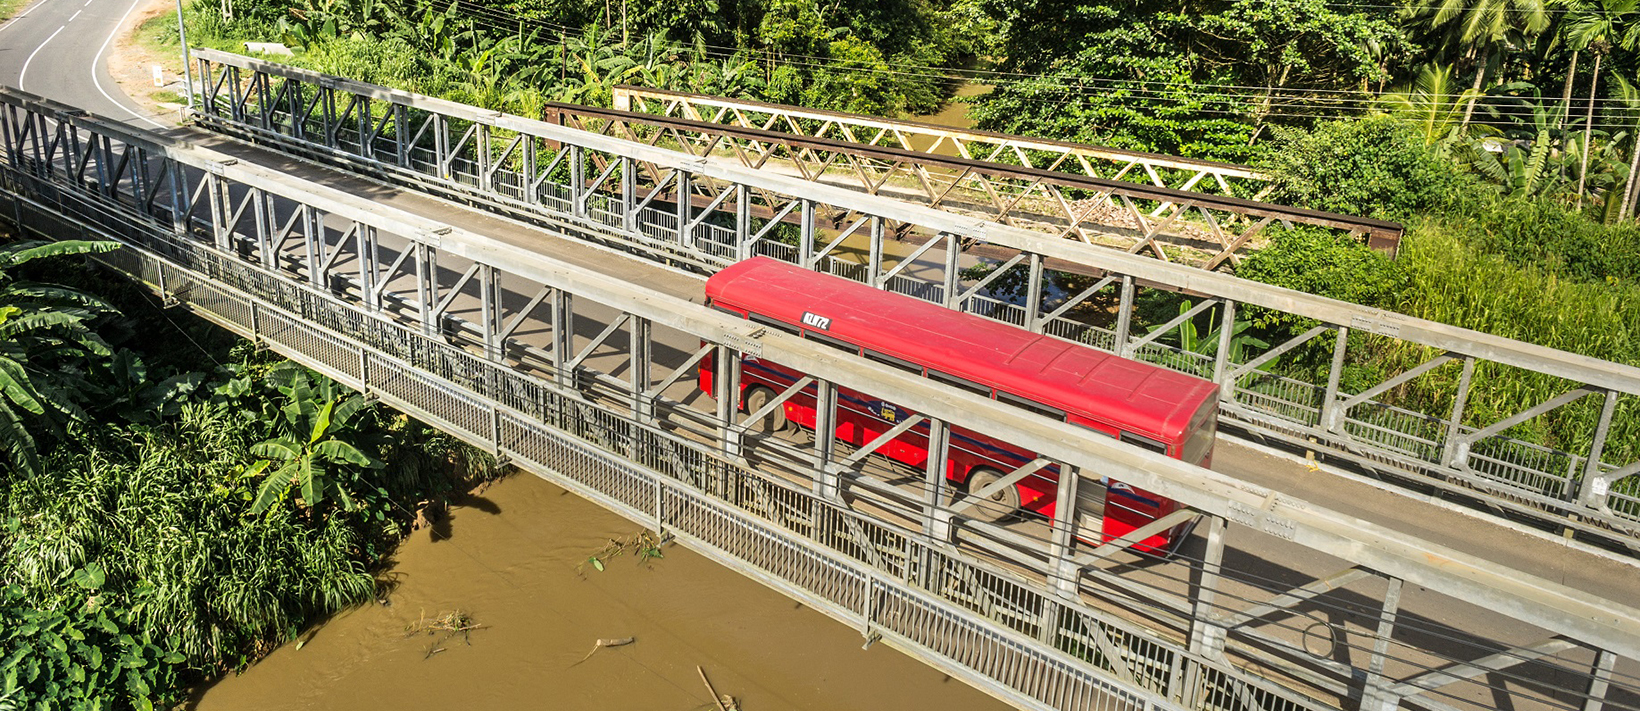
x=151, y=534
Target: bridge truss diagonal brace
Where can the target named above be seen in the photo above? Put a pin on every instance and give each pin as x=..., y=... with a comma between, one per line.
x=1461, y=671
x=1010, y=479
x=1292, y=598
x=777, y=401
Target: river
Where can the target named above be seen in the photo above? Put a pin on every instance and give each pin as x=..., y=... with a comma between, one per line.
x=511, y=560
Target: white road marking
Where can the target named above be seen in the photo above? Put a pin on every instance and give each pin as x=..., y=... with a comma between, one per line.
x=22, y=75
x=97, y=62
x=26, y=13
x=76, y=14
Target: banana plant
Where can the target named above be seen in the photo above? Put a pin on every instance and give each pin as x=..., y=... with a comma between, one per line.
x=1191, y=339
x=312, y=452
x=42, y=327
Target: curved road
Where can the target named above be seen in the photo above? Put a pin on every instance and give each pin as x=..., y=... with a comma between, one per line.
x=58, y=49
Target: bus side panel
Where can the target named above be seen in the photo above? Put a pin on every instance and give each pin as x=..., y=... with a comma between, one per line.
x=860, y=419
x=1128, y=508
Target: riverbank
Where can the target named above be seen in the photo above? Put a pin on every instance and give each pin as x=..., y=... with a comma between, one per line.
x=513, y=560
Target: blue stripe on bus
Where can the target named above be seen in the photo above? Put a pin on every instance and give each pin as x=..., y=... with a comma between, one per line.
x=1118, y=489
x=1022, y=459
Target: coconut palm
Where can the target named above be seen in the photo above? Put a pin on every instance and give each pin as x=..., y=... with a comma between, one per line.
x=1599, y=26
x=1480, y=28
x=1431, y=103
x=41, y=327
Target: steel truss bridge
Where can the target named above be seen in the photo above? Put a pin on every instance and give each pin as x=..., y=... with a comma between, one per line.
x=586, y=380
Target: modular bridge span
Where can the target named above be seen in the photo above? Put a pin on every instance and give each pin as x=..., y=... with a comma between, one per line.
x=703, y=214
x=442, y=322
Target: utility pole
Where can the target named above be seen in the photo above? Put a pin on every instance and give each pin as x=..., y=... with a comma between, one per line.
x=187, y=71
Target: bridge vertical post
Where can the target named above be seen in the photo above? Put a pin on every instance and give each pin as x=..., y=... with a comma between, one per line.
x=426, y=286
x=1033, y=296
x=1331, y=418
x=1375, y=688
x=805, y=235
x=577, y=181
x=441, y=145
x=1066, y=576
x=262, y=211
x=727, y=393
x=684, y=182
x=489, y=297
x=364, y=124
x=220, y=231
x=952, y=278
x=313, y=242
x=1227, y=337
x=825, y=438
x=1124, y=317
x=937, y=520
x=1590, y=491
x=639, y=337
x=743, y=222
x=1454, y=421
x=563, y=336
x=629, y=195
x=1599, y=680
x=486, y=176
x=936, y=524
x=874, y=262
x=364, y=237
x=526, y=169
x=1206, y=636
x=401, y=134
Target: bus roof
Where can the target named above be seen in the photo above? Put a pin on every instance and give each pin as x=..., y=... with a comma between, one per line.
x=1137, y=397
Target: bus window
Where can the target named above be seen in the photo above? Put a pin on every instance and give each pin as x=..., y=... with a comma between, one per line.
x=729, y=311
x=1203, y=427
x=1145, y=442
x=1091, y=427
x=776, y=325
x=1031, y=405
x=960, y=382
x=893, y=362
x=833, y=342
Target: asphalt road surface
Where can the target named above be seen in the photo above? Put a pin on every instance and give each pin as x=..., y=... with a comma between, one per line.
x=59, y=48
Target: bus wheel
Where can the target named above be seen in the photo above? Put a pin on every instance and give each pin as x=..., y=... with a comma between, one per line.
x=999, y=505
x=756, y=397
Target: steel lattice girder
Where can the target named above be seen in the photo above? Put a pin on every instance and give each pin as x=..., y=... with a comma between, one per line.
x=1522, y=597
x=1014, y=195
x=1585, y=510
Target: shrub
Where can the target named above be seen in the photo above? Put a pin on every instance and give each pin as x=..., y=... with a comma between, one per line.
x=1375, y=167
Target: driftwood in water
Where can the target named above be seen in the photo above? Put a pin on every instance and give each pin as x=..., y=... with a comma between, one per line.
x=608, y=642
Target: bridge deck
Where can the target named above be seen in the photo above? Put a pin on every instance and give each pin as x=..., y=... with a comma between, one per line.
x=1571, y=563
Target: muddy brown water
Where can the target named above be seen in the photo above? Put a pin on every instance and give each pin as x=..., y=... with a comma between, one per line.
x=509, y=560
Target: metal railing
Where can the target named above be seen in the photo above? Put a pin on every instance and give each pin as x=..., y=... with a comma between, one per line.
x=1007, y=637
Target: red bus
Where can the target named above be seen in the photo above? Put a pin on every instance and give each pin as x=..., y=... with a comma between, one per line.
x=1138, y=403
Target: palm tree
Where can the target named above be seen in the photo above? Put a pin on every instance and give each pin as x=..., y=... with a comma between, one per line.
x=312, y=446
x=1599, y=26
x=41, y=326
x=1480, y=27
x=1431, y=103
